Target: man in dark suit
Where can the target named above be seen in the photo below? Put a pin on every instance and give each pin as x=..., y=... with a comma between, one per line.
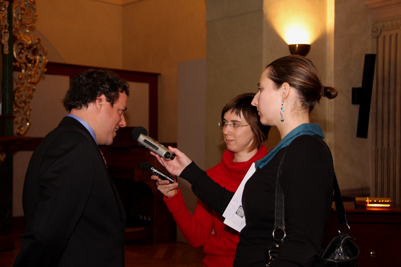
x=74, y=216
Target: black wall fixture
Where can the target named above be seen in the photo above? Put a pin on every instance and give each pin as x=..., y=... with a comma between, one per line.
x=363, y=95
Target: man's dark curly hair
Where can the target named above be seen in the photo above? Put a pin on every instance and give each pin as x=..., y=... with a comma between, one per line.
x=87, y=86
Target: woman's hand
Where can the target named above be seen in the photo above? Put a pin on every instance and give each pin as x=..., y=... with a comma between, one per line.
x=164, y=186
x=177, y=165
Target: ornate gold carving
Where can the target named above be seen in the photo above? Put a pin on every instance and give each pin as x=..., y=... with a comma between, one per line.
x=30, y=56
x=5, y=34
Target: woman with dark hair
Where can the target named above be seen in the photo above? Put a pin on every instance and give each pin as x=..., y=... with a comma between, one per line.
x=244, y=137
x=289, y=88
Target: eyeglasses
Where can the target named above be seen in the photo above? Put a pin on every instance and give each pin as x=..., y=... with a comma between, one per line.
x=234, y=125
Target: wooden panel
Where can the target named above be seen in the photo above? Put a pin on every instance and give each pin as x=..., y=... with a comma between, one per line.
x=377, y=231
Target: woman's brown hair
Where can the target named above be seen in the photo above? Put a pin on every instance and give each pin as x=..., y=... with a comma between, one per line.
x=300, y=73
x=241, y=106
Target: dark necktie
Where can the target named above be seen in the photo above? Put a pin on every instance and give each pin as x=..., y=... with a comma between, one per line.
x=105, y=162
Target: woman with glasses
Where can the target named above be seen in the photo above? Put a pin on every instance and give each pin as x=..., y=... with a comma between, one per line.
x=244, y=137
x=289, y=88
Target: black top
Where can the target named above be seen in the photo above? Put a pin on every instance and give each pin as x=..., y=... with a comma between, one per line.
x=307, y=181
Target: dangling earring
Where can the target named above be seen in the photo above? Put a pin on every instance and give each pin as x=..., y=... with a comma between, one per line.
x=282, y=111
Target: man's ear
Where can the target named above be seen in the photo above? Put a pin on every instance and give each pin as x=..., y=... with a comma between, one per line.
x=100, y=101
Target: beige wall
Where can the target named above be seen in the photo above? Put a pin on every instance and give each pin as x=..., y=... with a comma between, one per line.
x=352, y=41
x=83, y=32
x=191, y=121
x=234, y=61
x=158, y=34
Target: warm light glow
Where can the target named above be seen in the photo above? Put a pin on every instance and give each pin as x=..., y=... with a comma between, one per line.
x=378, y=202
x=297, y=34
x=310, y=17
x=379, y=205
x=373, y=202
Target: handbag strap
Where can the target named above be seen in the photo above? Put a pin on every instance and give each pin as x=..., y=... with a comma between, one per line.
x=279, y=224
x=341, y=216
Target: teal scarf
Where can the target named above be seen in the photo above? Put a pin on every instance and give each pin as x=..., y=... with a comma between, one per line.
x=303, y=129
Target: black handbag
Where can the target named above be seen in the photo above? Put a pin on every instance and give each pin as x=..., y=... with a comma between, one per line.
x=341, y=252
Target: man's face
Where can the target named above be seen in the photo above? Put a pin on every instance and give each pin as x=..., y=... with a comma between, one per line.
x=110, y=119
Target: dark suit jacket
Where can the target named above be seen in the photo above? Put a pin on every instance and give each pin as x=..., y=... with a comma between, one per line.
x=73, y=213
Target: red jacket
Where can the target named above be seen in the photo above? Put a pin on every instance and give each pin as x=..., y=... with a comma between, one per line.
x=205, y=227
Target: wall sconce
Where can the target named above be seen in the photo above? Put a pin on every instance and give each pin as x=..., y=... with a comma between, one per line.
x=299, y=49
x=298, y=40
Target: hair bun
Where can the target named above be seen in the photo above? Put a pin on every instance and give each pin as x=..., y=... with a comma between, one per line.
x=329, y=92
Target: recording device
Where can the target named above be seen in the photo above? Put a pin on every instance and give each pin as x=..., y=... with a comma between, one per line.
x=148, y=167
x=141, y=135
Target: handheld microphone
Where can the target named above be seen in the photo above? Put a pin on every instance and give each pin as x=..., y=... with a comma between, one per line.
x=141, y=135
x=148, y=167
